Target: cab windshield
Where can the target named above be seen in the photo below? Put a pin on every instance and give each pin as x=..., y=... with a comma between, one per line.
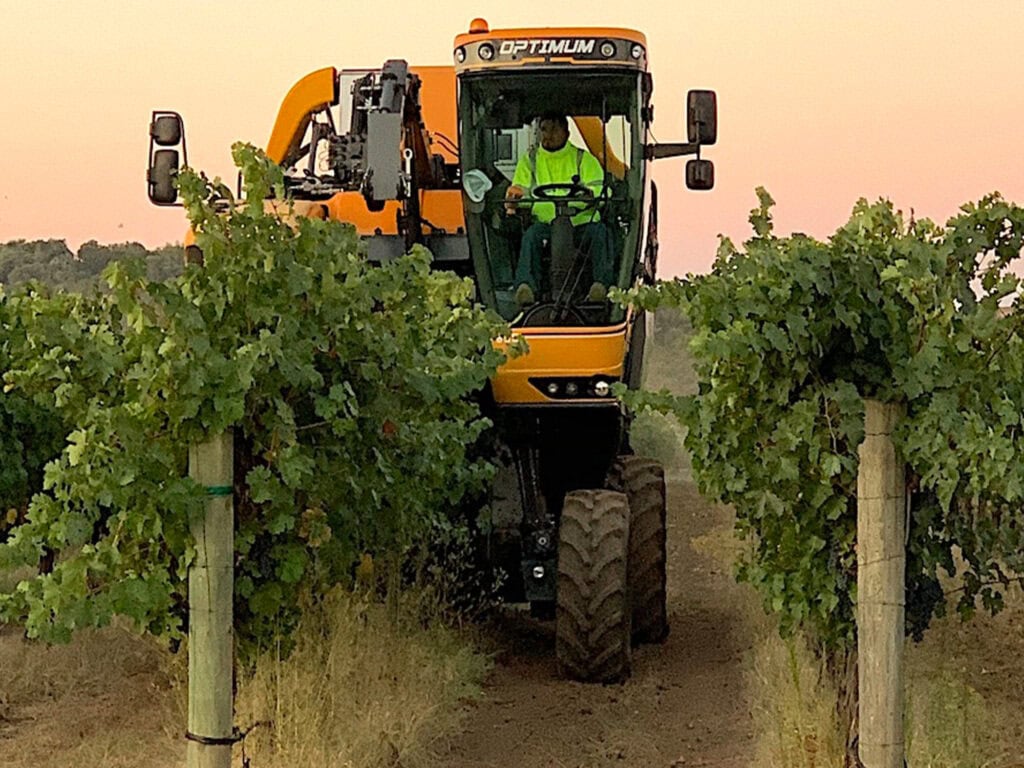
x=573, y=231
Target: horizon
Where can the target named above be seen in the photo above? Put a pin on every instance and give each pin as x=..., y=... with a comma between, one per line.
x=821, y=105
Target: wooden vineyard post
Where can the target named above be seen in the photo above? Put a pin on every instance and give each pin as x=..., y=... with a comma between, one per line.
x=881, y=564
x=211, y=621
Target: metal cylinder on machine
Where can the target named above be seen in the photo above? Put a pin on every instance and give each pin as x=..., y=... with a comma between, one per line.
x=561, y=252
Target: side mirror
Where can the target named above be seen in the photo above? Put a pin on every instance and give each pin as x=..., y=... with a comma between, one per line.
x=166, y=129
x=701, y=118
x=700, y=174
x=162, y=172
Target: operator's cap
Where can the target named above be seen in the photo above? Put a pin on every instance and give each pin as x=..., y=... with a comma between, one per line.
x=476, y=184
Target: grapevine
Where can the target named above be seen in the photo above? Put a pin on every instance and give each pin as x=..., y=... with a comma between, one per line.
x=348, y=386
x=792, y=333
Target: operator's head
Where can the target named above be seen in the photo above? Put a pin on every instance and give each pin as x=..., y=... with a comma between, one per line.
x=554, y=131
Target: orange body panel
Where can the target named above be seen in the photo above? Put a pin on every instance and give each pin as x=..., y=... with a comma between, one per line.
x=437, y=101
x=350, y=207
x=561, y=352
x=441, y=207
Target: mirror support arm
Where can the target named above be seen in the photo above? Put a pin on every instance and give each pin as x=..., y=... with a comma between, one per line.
x=659, y=151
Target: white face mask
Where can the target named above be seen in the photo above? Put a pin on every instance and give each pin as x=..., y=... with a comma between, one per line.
x=476, y=184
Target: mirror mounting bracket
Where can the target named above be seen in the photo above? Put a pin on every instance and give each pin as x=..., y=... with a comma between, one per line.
x=659, y=151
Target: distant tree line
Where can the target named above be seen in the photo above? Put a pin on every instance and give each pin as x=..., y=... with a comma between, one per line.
x=51, y=262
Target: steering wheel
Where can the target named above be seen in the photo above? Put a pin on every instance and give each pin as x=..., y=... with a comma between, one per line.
x=572, y=190
x=567, y=192
x=551, y=308
x=559, y=193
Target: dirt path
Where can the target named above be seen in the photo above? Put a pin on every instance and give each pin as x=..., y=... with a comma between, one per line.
x=684, y=706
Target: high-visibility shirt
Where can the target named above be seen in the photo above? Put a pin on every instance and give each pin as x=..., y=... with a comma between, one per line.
x=538, y=166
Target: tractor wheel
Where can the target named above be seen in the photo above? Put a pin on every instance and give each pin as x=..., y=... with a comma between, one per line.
x=643, y=482
x=592, y=618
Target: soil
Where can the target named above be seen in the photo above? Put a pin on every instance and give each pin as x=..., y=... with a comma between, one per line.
x=684, y=706
x=106, y=699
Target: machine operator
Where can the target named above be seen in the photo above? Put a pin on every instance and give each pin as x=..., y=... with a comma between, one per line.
x=556, y=161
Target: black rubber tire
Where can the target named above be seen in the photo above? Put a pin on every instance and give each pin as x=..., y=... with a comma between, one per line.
x=592, y=617
x=643, y=482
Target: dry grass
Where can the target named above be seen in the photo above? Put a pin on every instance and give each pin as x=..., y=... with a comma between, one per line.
x=108, y=699
x=949, y=723
x=964, y=684
x=367, y=685
x=794, y=707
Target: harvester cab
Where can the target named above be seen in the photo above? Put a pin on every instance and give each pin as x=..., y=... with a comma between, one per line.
x=596, y=81
x=523, y=166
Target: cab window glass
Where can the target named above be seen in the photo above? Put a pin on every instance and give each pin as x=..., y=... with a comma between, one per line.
x=500, y=118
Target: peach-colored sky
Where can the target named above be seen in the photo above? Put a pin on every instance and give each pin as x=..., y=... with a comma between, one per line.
x=821, y=101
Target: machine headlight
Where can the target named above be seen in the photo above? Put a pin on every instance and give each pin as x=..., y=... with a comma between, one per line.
x=460, y=55
x=637, y=51
x=486, y=51
x=607, y=49
x=576, y=388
